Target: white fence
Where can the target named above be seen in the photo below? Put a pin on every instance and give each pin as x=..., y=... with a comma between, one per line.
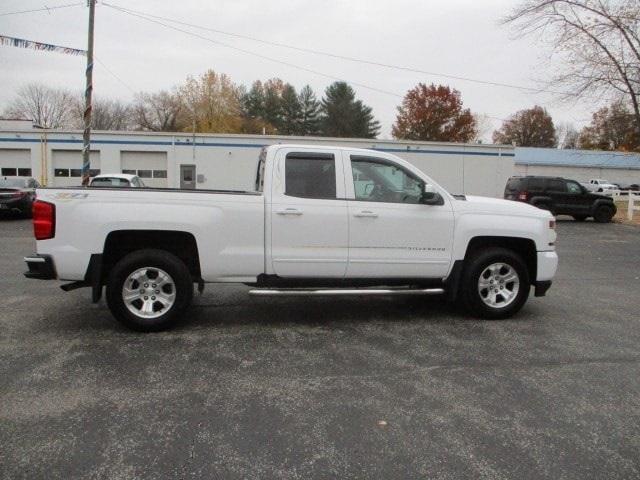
x=631, y=199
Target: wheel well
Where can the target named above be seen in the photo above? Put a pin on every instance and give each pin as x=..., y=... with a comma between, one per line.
x=524, y=247
x=122, y=242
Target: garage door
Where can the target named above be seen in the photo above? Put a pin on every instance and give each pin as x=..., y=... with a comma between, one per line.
x=15, y=163
x=150, y=166
x=67, y=167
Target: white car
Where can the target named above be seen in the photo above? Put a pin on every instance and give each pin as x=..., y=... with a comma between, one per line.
x=111, y=180
x=322, y=221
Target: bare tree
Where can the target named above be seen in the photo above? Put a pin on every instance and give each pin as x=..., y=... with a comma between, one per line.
x=106, y=114
x=159, y=112
x=567, y=136
x=484, y=127
x=47, y=107
x=599, y=41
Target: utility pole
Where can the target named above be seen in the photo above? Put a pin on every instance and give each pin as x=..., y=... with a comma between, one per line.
x=86, y=137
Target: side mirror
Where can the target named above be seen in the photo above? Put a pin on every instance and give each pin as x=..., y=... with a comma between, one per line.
x=430, y=196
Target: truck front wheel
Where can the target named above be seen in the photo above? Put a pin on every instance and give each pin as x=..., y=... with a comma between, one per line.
x=495, y=283
x=148, y=290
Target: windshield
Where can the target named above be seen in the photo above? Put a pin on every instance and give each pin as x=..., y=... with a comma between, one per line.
x=13, y=182
x=109, y=182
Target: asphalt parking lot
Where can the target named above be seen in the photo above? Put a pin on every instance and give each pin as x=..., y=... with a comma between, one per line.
x=299, y=388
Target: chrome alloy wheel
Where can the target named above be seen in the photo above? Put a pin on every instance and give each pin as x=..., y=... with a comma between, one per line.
x=498, y=285
x=149, y=292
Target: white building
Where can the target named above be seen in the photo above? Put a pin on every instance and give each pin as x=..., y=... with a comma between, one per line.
x=580, y=165
x=229, y=161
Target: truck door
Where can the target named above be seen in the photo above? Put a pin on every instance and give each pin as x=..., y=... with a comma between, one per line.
x=391, y=233
x=309, y=225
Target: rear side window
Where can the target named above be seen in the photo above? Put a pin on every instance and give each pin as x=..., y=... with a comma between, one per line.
x=513, y=184
x=536, y=184
x=310, y=175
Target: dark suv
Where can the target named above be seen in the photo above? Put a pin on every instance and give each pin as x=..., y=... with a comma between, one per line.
x=561, y=197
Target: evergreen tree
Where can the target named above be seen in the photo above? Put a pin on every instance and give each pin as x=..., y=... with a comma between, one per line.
x=291, y=111
x=344, y=116
x=253, y=101
x=273, y=114
x=310, y=112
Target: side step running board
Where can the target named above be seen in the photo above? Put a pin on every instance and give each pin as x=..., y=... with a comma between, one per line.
x=299, y=292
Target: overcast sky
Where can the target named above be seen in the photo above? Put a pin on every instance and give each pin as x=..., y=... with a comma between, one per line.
x=455, y=37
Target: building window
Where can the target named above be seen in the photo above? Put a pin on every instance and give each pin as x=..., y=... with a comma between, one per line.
x=24, y=172
x=159, y=174
x=94, y=171
x=144, y=173
x=9, y=172
x=76, y=172
x=129, y=172
x=61, y=172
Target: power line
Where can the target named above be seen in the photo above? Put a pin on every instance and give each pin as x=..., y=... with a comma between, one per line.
x=122, y=82
x=249, y=52
x=343, y=57
x=45, y=9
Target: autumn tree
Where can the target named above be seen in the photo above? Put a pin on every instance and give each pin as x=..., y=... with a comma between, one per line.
x=344, y=116
x=611, y=128
x=162, y=111
x=598, y=42
x=48, y=107
x=213, y=102
x=528, y=128
x=309, y=112
x=434, y=113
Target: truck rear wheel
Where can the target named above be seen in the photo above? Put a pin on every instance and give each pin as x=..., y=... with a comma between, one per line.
x=495, y=283
x=148, y=290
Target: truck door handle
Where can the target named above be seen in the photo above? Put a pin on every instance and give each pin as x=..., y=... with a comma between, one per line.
x=366, y=213
x=289, y=211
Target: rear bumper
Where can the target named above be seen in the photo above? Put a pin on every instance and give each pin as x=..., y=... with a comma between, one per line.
x=40, y=267
x=22, y=205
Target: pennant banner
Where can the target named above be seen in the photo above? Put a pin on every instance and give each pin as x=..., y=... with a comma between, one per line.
x=22, y=43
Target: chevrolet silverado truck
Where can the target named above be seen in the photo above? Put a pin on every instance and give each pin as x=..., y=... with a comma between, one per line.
x=321, y=221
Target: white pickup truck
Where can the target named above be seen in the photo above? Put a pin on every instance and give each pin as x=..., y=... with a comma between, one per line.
x=321, y=221
x=598, y=185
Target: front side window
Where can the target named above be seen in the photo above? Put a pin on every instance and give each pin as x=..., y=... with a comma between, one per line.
x=574, y=188
x=309, y=175
x=556, y=186
x=377, y=180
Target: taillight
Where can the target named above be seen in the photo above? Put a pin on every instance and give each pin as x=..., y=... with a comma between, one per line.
x=44, y=220
x=523, y=196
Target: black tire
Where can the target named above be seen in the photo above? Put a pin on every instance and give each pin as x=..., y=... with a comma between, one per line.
x=159, y=259
x=475, y=266
x=547, y=207
x=603, y=214
x=579, y=218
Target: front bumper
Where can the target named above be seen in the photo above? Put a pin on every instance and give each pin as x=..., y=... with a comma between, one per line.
x=40, y=267
x=547, y=267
